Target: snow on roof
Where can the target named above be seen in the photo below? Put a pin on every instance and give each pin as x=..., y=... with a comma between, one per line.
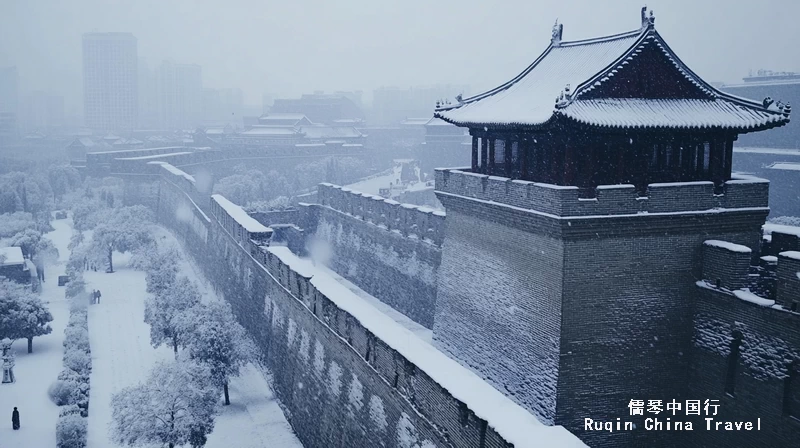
x=511, y=421
x=10, y=256
x=174, y=170
x=239, y=215
x=435, y=121
x=330, y=131
x=270, y=131
x=770, y=258
x=780, y=228
x=785, y=166
x=748, y=296
x=155, y=156
x=729, y=246
x=776, y=151
x=793, y=254
x=532, y=98
x=415, y=121
x=668, y=113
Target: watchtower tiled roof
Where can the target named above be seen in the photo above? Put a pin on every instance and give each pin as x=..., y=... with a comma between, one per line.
x=629, y=80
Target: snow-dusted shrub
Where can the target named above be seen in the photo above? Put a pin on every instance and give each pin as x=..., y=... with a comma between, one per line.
x=79, y=318
x=69, y=409
x=71, y=431
x=78, y=360
x=62, y=392
x=76, y=338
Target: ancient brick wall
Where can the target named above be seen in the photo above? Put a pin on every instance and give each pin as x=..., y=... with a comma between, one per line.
x=770, y=340
x=388, y=249
x=499, y=305
x=338, y=381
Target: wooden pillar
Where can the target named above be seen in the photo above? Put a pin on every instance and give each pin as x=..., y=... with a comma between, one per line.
x=484, y=154
x=474, y=154
x=643, y=151
x=522, y=154
x=728, y=158
x=508, y=148
x=715, y=164
x=492, y=168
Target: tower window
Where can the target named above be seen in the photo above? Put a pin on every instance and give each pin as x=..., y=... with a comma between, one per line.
x=733, y=361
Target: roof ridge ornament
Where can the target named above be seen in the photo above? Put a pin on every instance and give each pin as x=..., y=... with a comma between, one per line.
x=648, y=21
x=558, y=30
x=564, y=97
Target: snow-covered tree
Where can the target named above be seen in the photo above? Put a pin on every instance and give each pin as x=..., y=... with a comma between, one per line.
x=86, y=214
x=122, y=230
x=175, y=406
x=212, y=337
x=33, y=244
x=163, y=312
x=14, y=223
x=23, y=315
x=239, y=188
x=162, y=271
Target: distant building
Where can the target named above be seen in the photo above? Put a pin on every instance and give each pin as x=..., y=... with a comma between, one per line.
x=40, y=110
x=9, y=93
x=391, y=105
x=783, y=87
x=110, y=81
x=321, y=107
x=180, y=95
x=223, y=106
x=148, y=97
x=290, y=120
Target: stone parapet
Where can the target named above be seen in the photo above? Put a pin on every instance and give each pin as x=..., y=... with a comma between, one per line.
x=565, y=201
x=409, y=220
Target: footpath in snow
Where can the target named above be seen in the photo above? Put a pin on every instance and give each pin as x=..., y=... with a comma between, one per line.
x=36, y=371
x=122, y=356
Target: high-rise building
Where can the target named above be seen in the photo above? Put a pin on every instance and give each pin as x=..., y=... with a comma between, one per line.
x=180, y=95
x=110, y=81
x=8, y=103
x=148, y=97
x=41, y=111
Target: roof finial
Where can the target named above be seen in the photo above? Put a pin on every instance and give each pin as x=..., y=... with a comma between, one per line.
x=647, y=21
x=459, y=98
x=787, y=109
x=558, y=29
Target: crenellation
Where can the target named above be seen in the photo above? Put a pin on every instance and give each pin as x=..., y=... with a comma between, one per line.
x=725, y=264
x=623, y=199
x=788, y=279
x=411, y=220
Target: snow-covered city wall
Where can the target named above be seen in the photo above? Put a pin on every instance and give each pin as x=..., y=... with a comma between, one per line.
x=388, y=249
x=562, y=201
x=347, y=375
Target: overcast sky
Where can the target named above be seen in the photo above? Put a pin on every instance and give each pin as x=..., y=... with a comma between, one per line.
x=289, y=47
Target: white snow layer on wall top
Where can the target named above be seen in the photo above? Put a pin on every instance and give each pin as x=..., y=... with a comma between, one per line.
x=793, y=254
x=175, y=171
x=750, y=297
x=789, y=230
x=11, y=256
x=729, y=246
x=241, y=216
x=512, y=422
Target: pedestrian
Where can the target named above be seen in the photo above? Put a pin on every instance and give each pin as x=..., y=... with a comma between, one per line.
x=98, y=296
x=15, y=419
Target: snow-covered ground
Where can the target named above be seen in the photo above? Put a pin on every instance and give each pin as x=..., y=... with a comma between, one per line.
x=122, y=356
x=36, y=371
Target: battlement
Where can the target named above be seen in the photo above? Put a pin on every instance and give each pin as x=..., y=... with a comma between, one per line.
x=463, y=399
x=774, y=283
x=459, y=405
x=407, y=219
x=567, y=201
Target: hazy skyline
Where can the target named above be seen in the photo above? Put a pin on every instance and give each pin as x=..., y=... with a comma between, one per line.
x=288, y=48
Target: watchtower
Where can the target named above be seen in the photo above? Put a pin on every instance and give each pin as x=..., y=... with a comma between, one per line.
x=574, y=239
